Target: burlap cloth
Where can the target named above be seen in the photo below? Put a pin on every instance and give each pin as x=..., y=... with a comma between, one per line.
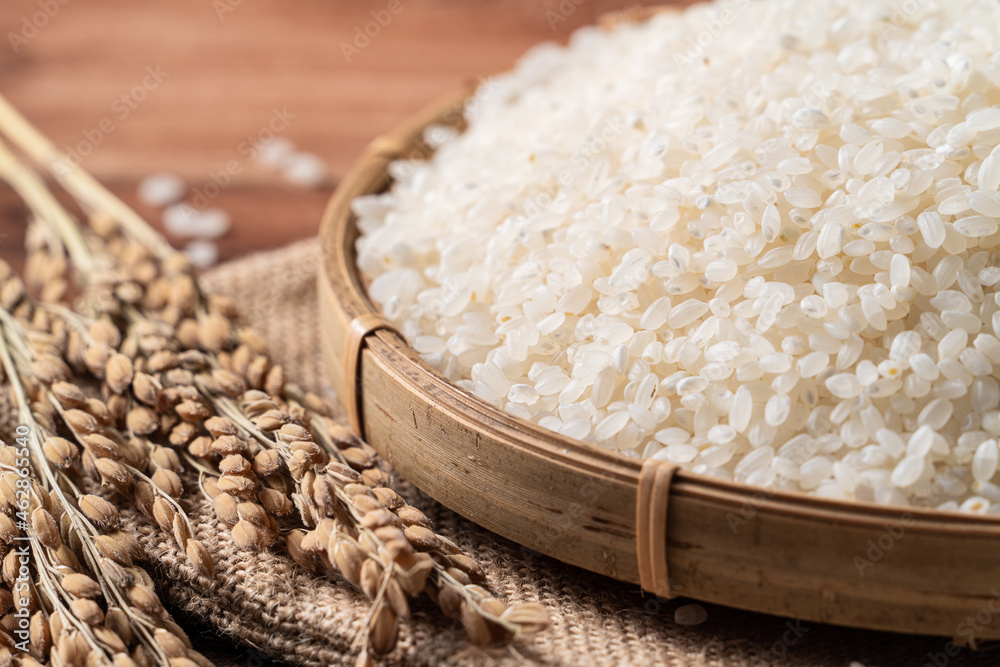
x=265, y=600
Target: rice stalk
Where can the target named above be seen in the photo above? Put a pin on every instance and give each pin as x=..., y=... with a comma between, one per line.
x=198, y=393
x=89, y=601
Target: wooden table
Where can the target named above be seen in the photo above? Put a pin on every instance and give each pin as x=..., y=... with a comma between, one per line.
x=226, y=67
x=223, y=68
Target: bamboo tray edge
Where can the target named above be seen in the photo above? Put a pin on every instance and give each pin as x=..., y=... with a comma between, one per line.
x=898, y=569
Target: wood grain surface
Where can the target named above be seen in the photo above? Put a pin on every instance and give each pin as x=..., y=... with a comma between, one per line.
x=225, y=68
x=83, y=72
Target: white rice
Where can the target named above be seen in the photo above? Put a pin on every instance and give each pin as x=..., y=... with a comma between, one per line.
x=756, y=239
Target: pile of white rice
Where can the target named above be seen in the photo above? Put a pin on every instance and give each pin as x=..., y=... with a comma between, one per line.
x=756, y=239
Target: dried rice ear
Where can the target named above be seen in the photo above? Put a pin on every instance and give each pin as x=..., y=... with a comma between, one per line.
x=180, y=377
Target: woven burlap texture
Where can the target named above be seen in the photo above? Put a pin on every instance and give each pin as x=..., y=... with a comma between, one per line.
x=264, y=600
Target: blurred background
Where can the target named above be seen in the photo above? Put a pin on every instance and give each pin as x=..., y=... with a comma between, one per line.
x=187, y=87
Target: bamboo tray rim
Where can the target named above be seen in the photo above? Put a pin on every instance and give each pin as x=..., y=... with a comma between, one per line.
x=339, y=259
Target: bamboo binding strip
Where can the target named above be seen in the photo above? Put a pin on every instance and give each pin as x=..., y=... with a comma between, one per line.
x=357, y=331
x=651, y=521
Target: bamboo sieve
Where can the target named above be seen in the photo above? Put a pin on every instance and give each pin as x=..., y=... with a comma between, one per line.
x=673, y=532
